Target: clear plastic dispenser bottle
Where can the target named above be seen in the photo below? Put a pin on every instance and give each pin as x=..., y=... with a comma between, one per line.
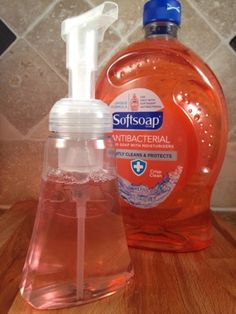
x=170, y=131
x=78, y=251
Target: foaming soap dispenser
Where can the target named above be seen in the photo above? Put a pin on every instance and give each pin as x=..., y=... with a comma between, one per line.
x=170, y=132
x=78, y=251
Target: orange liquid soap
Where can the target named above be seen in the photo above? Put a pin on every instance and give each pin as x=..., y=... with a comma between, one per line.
x=169, y=152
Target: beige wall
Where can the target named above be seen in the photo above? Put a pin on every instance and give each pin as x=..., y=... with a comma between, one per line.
x=33, y=77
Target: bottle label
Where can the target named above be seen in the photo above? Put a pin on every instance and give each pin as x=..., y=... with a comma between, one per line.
x=150, y=146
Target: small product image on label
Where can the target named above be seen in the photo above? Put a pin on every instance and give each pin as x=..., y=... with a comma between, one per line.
x=150, y=147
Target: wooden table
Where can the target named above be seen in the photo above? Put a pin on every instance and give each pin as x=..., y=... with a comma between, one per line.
x=201, y=282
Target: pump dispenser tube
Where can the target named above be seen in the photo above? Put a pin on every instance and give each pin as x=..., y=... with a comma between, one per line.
x=82, y=35
x=79, y=228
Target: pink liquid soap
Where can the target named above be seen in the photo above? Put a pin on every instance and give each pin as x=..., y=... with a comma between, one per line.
x=72, y=258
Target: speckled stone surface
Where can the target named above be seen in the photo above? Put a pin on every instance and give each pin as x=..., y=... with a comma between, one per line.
x=220, y=14
x=46, y=35
x=33, y=74
x=20, y=172
x=28, y=88
x=130, y=14
x=40, y=131
x=196, y=33
x=138, y=34
x=7, y=130
x=189, y=32
x=223, y=63
x=21, y=14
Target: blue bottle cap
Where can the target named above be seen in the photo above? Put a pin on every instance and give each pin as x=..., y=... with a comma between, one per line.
x=163, y=11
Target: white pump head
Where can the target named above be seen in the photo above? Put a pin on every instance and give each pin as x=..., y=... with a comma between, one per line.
x=81, y=112
x=82, y=35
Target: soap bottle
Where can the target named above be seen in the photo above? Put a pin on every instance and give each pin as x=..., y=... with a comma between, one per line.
x=169, y=146
x=78, y=251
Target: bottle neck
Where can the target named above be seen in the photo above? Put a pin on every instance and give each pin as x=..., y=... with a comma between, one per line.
x=79, y=136
x=161, y=29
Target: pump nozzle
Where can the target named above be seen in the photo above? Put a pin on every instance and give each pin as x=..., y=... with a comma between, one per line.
x=81, y=112
x=82, y=35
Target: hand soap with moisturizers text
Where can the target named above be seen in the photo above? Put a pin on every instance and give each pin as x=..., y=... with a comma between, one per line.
x=170, y=130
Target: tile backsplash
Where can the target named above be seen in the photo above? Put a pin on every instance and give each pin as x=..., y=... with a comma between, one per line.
x=33, y=77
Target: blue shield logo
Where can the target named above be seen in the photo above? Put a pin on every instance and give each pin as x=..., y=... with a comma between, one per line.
x=138, y=166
